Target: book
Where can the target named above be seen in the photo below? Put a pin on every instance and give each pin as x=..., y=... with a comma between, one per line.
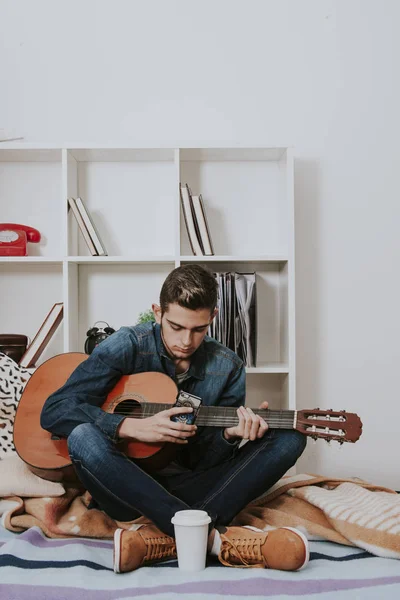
x=90, y=226
x=235, y=324
x=204, y=231
x=188, y=214
x=43, y=336
x=82, y=226
x=195, y=222
x=246, y=317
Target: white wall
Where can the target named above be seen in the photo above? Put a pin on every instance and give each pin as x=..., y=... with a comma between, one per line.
x=317, y=74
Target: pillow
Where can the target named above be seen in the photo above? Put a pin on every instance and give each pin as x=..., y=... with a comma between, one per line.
x=13, y=380
x=17, y=480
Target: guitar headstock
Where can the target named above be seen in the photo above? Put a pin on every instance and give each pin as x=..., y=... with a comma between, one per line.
x=340, y=426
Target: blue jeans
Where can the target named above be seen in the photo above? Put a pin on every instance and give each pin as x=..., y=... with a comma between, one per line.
x=124, y=491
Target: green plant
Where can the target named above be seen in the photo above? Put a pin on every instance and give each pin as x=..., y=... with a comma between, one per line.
x=145, y=317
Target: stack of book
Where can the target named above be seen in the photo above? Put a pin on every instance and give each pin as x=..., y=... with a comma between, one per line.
x=235, y=324
x=196, y=222
x=87, y=227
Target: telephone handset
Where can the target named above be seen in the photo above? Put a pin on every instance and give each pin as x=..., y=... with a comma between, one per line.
x=14, y=237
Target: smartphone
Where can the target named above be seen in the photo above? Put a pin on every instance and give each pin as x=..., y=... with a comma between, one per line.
x=185, y=399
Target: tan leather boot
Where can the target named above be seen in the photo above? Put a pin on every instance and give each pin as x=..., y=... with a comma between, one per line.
x=133, y=549
x=284, y=548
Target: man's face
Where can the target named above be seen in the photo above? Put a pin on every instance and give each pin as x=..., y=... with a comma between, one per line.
x=183, y=329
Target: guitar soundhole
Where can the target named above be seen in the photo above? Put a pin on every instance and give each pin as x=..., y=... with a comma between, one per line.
x=130, y=408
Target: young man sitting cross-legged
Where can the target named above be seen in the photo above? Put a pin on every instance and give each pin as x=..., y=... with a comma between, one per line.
x=210, y=471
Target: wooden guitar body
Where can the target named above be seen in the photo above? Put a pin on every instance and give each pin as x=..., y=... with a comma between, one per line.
x=48, y=456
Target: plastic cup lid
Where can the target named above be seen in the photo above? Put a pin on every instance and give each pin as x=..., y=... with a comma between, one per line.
x=191, y=518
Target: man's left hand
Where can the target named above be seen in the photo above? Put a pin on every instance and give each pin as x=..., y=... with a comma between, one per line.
x=250, y=426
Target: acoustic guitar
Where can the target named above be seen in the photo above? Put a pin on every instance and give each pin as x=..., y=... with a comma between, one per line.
x=140, y=396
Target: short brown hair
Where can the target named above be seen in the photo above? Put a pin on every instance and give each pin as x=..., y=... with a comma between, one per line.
x=190, y=286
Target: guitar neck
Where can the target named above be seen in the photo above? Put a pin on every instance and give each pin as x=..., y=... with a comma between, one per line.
x=218, y=416
x=227, y=417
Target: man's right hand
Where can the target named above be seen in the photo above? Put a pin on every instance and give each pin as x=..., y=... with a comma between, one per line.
x=158, y=428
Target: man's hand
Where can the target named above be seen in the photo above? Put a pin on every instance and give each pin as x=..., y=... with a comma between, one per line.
x=250, y=426
x=158, y=428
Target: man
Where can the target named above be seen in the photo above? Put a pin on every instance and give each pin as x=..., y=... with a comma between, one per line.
x=210, y=472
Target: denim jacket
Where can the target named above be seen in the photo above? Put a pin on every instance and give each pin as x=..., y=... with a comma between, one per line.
x=216, y=375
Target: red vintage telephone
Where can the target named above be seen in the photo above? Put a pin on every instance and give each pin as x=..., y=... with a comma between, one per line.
x=13, y=239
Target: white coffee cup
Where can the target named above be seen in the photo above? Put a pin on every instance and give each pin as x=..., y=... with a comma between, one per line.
x=191, y=535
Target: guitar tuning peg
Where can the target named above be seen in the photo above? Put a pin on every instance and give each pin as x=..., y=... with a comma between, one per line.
x=314, y=439
x=328, y=441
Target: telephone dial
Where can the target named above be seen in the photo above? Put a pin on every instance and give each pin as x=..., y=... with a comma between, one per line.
x=14, y=238
x=95, y=335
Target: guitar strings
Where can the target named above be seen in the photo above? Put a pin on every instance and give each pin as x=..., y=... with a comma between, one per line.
x=224, y=417
x=154, y=408
x=274, y=424
x=222, y=422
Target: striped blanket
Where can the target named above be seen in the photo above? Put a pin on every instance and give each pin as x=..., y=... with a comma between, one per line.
x=347, y=521
x=35, y=567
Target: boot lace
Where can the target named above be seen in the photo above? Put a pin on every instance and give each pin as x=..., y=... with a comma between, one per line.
x=160, y=547
x=245, y=550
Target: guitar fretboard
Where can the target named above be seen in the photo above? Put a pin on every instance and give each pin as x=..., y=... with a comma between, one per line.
x=216, y=416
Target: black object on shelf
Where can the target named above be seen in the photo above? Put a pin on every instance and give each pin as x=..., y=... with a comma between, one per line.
x=13, y=345
x=95, y=335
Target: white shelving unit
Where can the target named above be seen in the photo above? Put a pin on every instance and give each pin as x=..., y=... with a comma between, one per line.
x=133, y=197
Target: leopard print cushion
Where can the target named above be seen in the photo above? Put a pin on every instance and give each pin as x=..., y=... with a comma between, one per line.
x=13, y=380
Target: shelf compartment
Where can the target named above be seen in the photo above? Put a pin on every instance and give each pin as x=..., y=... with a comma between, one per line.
x=272, y=387
x=115, y=293
x=28, y=291
x=273, y=326
x=30, y=194
x=246, y=195
x=130, y=194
